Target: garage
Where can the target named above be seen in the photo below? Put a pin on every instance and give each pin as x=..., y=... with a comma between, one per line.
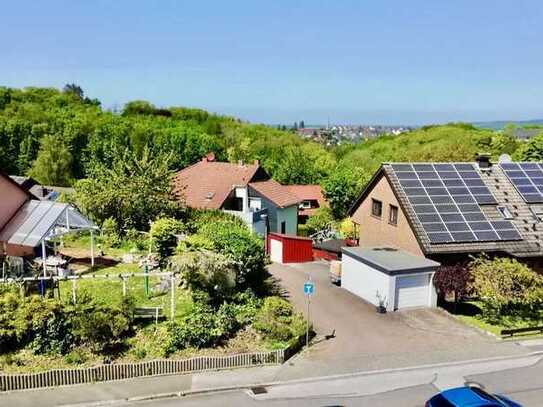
x=284, y=248
x=389, y=277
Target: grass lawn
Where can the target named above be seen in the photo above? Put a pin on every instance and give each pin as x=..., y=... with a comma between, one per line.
x=110, y=291
x=471, y=313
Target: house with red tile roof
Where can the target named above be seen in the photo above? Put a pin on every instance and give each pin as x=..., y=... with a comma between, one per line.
x=244, y=190
x=311, y=199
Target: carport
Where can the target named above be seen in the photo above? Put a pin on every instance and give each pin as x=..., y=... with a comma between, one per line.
x=390, y=277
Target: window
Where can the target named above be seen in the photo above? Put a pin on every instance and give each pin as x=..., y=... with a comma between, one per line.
x=305, y=205
x=376, y=208
x=283, y=227
x=393, y=215
x=506, y=213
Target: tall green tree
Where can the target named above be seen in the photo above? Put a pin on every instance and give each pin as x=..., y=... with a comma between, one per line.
x=53, y=166
x=134, y=191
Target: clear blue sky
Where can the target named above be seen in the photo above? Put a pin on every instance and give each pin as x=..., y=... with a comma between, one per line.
x=393, y=61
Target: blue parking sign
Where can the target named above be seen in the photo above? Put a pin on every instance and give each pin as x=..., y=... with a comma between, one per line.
x=309, y=288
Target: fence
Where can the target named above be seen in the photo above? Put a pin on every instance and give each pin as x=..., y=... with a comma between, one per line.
x=61, y=377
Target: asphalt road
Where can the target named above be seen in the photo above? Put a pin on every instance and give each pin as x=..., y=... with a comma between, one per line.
x=524, y=385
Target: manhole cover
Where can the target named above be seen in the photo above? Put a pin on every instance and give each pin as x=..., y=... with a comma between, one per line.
x=259, y=390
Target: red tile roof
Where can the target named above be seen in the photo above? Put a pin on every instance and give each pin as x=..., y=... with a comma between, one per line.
x=275, y=192
x=206, y=184
x=308, y=193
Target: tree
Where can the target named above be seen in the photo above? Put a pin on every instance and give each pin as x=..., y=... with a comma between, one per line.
x=341, y=189
x=74, y=90
x=134, y=192
x=532, y=150
x=453, y=279
x=54, y=163
x=506, y=286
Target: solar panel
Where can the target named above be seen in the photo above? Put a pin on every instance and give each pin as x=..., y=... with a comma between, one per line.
x=527, y=179
x=446, y=199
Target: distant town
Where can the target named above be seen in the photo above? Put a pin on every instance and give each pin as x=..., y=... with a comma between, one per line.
x=337, y=134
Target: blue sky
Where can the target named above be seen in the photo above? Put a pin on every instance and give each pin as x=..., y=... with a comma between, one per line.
x=277, y=61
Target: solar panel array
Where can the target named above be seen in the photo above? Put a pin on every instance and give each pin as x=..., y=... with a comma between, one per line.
x=527, y=179
x=446, y=199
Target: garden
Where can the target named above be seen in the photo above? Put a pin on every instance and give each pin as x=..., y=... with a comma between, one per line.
x=493, y=294
x=224, y=301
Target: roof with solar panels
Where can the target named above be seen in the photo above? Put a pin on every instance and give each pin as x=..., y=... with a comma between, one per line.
x=470, y=207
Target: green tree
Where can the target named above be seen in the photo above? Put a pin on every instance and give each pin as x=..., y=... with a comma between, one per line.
x=342, y=187
x=134, y=192
x=53, y=166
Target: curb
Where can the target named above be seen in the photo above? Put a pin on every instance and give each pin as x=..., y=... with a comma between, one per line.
x=185, y=393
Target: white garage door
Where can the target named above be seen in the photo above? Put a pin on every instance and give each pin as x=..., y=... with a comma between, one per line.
x=276, y=251
x=412, y=291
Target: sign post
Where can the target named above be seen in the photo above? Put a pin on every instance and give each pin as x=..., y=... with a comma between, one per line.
x=309, y=290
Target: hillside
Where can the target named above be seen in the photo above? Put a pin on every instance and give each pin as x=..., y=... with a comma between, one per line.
x=59, y=136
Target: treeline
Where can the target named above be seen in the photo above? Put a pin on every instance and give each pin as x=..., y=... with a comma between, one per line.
x=60, y=136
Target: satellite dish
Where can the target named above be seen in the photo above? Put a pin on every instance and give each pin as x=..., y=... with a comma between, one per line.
x=505, y=158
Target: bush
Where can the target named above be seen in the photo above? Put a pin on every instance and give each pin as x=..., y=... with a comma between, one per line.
x=194, y=243
x=506, y=286
x=320, y=221
x=102, y=326
x=277, y=320
x=162, y=235
x=75, y=357
x=110, y=232
x=44, y=324
x=455, y=280
x=9, y=333
x=206, y=271
x=196, y=330
x=242, y=246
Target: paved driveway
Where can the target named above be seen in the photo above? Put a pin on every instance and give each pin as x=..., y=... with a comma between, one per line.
x=364, y=339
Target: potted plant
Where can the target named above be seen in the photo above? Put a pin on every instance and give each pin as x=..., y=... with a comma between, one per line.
x=382, y=301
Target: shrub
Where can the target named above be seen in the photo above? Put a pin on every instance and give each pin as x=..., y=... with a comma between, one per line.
x=46, y=325
x=206, y=271
x=162, y=235
x=75, y=357
x=193, y=243
x=506, y=286
x=110, y=232
x=277, y=320
x=102, y=326
x=242, y=246
x=197, y=329
x=9, y=306
x=320, y=221
x=455, y=280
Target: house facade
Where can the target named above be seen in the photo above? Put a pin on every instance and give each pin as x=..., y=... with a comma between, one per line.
x=243, y=190
x=311, y=199
x=449, y=211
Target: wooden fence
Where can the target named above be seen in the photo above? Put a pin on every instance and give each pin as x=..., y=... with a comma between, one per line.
x=61, y=377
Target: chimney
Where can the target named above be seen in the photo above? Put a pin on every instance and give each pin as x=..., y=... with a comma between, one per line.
x=483, y=160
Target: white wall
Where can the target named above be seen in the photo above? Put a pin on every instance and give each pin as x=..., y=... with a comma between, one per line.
x=365, y=281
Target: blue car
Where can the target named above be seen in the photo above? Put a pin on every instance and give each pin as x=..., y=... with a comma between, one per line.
x=469, y=396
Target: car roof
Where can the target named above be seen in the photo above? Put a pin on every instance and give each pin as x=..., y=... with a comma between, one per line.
x=465, y=396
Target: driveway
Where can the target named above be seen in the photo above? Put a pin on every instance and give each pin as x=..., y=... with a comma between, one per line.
x=364, y=340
